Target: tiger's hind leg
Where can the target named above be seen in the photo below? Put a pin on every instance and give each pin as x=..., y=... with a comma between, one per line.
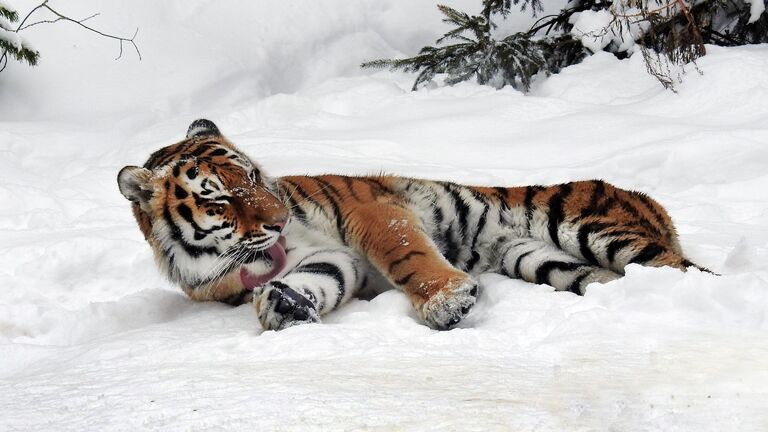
x=539, y=262
x=604, y=226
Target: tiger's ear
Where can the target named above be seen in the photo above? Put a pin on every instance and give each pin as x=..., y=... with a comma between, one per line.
x=202, y=127
x=135, y=184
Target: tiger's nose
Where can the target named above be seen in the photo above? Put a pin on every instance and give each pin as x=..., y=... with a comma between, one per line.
x=275, y=226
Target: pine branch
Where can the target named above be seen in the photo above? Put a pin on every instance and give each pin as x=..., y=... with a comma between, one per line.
x=10, y=15
x=9, y=48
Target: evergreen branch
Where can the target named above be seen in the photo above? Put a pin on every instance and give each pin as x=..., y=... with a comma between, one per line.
x=21, y=53
x=11, y=15
x=561, y=20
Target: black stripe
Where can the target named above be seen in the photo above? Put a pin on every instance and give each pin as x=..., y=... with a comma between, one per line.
x=556, y=213
x=647, y=203
x=334, y=204
x=575, y=286
x=640, y=219
x=475, y=255
x=217, y=152
x=293, y=206
x=404, y=280
x=453, y=249
x=307, y=197
x=504, y=254
x=326, y=269
x=377, y=187
x=530, y=191
x=474, y=258
x=583, y=237
x=296, y=210
x=193, y=251
x=437, y=216
x=165, y=155
x=202, y=148
x=598, y=192
x=407, y=256
x=462, y=209
x=651, y=251
x=321, y=302
x=350, y=187
x=542, y=273
x=180, y=192
x=452, y=246
x=193, y=172
x=200, y=232
x=615, y=246
x=279, y=284
x=501, y=194
x=186, y=213
x=518, y=261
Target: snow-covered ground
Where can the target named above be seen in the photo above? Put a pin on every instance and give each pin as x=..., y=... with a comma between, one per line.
x=92, y=338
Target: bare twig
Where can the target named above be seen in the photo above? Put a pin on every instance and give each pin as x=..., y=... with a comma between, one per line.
x=36, y=8
x=106, y=35
x=645, y=13
x=54, y=21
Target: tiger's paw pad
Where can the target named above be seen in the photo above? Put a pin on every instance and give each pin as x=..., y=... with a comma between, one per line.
x=280, y=307
x=446, y=308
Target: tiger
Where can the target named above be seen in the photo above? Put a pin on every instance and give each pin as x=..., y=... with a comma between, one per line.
x=299, y=247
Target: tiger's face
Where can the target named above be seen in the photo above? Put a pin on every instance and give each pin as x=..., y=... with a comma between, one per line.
x=206, y=210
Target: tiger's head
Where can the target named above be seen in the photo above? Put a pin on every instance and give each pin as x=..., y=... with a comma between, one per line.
x=207, y=211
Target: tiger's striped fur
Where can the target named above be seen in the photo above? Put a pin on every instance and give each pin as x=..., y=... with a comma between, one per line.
x=207, y=210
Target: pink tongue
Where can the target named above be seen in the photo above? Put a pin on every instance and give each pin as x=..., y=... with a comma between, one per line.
x=277, y=253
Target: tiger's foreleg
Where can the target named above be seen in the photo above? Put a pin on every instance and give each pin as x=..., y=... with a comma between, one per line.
x=395, y=242
x=319, y=281
x=539, y=262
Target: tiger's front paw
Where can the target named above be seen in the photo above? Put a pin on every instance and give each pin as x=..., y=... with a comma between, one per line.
x=280, y=307
x=450, y=305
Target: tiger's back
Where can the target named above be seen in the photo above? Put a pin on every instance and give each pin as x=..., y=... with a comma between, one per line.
x=592, y=220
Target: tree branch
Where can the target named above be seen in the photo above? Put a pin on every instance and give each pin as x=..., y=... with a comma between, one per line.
x=106, y=35
x=54, y=21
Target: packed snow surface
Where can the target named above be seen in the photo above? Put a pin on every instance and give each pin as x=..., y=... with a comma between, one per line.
x=92, y=338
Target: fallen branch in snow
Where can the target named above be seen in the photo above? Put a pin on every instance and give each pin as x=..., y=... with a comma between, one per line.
x=21, y=52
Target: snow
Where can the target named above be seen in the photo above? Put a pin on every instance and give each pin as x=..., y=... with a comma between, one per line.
x=756, y=8
x=92, y=338
x=589, y=26
x=10, y=37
